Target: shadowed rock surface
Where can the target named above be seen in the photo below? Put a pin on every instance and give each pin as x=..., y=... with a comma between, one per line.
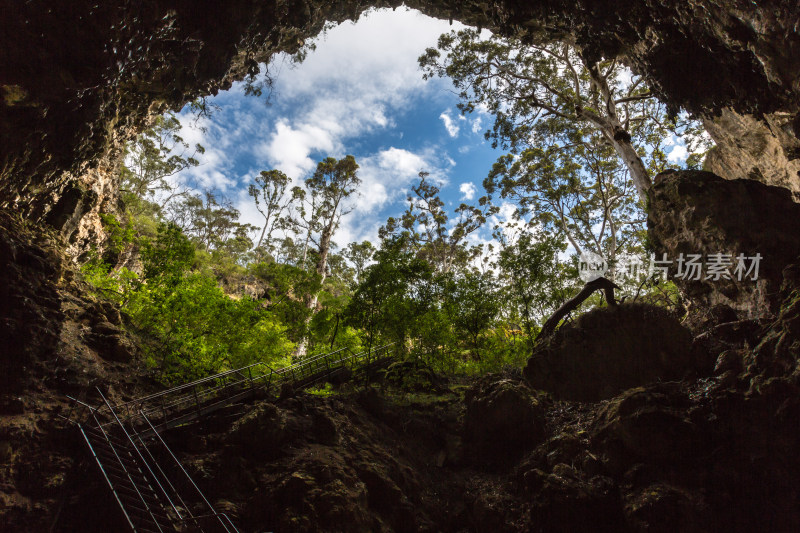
x=693, y=212
x=610, y=349
x=502, y=418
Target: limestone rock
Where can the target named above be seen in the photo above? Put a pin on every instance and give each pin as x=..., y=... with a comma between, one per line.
x=748, y=148
x=694, y=212
x=502, y=417
x=608, y=350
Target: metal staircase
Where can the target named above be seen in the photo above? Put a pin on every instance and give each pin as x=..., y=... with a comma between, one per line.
x=132, y=488
x=154, y=491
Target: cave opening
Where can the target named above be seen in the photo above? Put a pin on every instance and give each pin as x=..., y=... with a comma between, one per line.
x=696, y=433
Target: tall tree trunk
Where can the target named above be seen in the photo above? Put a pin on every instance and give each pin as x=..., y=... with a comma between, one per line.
x=322, y=264
x=305, y=249
x=263, y=231
x=324, y=249
x=612, y=129
x=621, y=141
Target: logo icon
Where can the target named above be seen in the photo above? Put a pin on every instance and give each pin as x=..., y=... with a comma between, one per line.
x=591, y=266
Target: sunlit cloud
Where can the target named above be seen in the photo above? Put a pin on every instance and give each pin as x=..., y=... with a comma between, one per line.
x=451, y=127
x=467, y=190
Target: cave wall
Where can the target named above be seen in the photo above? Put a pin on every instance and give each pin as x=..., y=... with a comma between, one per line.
x=764, y=150
x=79, y=78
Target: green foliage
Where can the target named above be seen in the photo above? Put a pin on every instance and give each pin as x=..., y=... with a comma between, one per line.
x=285, y=299
x=118, y=235
x=535, y=282
x=394, y=296
x=472, y=304
x=196, y=330
x=167, y=256
x=116, y=285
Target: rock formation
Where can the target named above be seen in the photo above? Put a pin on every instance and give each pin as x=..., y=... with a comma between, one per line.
x=692, y=212
x=747, y=148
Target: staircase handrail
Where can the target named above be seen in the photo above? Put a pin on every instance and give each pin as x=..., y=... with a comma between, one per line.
x=139, y=453
x=191, y=384
x=189, y=478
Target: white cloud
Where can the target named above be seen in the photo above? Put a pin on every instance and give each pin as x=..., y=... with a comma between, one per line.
x=467, y=190
x=386, y=178
x=359, y=76
x=359, y=81
x=678, y=154
x=289, y=149
x=451, y=127
x=477, y=124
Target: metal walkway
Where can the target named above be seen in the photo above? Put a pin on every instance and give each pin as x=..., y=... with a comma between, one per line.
x=154, y=491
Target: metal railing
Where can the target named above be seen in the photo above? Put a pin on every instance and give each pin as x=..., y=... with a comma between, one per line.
x=145, y=497
x=189, y=401
x=133, y=422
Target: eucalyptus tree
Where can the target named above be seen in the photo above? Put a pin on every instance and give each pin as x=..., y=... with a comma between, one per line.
x=212, y=223
x=151, y=159
x=579, y=191
x=429, y=230
x=272, y=199
x=359, y=255
x=332, y=183
x=305, y=219
x=526, y=86
x=321, y=206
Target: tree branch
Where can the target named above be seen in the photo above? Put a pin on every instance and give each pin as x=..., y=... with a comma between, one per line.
x=570, y=305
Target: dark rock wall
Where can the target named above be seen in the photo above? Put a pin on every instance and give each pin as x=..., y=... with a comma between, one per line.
x=78, y=78
x=693, y=212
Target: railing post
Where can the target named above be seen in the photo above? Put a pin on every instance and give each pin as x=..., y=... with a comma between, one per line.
x=196, y=401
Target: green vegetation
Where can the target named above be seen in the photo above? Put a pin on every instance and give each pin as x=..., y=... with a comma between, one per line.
x=208, y=293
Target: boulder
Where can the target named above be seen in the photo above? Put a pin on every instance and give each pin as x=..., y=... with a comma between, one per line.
x=502, y=419
x=694, y=212
x=566, y=500
x=649, y=425
x=608, y=350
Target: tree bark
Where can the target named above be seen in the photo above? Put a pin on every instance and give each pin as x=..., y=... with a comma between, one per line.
x=620, y=140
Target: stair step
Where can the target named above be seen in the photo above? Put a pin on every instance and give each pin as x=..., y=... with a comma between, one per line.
x=131, y=492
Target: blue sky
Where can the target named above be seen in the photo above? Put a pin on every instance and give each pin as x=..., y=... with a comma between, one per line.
x=360, y=92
